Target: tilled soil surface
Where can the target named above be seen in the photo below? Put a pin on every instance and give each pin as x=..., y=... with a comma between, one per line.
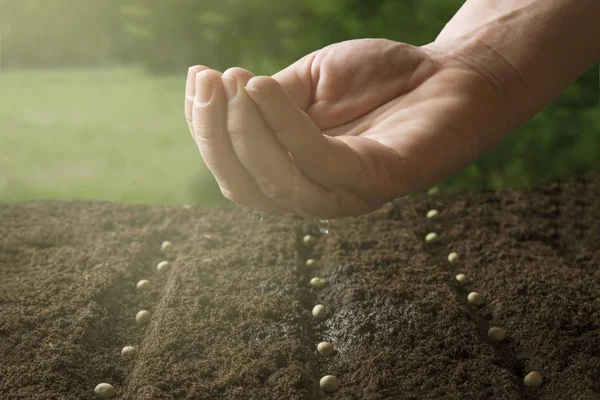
x=232, y=317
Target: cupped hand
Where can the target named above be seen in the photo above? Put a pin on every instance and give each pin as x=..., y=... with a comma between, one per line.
x=345, y=129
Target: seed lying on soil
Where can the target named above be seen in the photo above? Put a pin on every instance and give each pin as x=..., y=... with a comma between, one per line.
x=496, y=334
x=309, y=241
x=433, y=191
x=128, y=351
x=165, y=245
x=105, y=391
x=142, y=317
x=461, y=278
x=433, y=214
x=453, y=257
x=310, y=263
x=144, y=284
x=325, y=348
x=475, y=298
x=317, y=283
x=319, y=312
x=329, y=383
x=163, y=266
x=431, y=237
x=533, y=379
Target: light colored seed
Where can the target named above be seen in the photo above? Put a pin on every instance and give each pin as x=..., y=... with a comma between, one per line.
x=433, y=214
x=187, y=206
x=319, y=312
x=144, y=284
x=142, y=317
x=461, y=278
x=309, y=241
x=163, y=266
x=431, y=237
x=310, y=263
x=496, y=334
x=165, y=245
x=128, y=351
x=433, y=191
x=533, y=379
x=317, y=283
x=453, y=257
x=325, y=348
x=105, y=391
x=329, y=383
x=475, y=298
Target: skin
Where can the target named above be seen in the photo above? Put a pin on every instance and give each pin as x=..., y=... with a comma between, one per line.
x=356, y=124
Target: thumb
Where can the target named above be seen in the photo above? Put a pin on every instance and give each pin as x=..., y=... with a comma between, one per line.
x=298, y=81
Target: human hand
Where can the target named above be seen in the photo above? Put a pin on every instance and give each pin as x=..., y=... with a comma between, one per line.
x=345, y=129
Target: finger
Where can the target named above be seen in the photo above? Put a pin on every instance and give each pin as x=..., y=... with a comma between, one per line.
x=190, y=93
x=296, y=80
x=239, y=74
x=327, y=160
x=269, y=163
x=209, y=115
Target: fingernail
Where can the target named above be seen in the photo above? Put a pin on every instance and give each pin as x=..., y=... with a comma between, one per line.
x=204, y=88
x=230, y=85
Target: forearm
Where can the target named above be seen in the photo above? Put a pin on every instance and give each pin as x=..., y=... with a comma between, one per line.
x=530, y=49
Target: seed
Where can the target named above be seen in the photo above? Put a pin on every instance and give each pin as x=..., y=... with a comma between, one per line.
x=142, y=317
x=317, y=283
x=310, y=263
x=461, y=278
x=431, y=237
x=309, y=241
x=329, y=383
x=319, y=312
x=165, y=245
x=533, y=379
x=475, y=298
x=128, y=351
x=105, y=391
x=187, y=206
x=163, y=266
x=453, y=257
x=433, y=214
x=433, y=191
x=143, y=285
x=496, y=334
x=325, y=348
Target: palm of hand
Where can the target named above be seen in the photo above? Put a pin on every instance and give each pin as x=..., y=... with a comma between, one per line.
x=346, y=129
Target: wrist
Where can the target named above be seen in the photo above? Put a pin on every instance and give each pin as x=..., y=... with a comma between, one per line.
x=529, y=49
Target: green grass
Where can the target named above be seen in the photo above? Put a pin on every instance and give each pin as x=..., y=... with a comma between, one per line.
x=104, y=134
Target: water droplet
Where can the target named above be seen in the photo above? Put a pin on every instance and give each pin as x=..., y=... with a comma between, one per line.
x=324, y=226
x=257, y=215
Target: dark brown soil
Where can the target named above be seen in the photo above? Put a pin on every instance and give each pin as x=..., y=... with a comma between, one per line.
x=232, y=318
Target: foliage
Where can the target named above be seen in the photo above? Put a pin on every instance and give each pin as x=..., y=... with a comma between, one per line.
x=265, y=36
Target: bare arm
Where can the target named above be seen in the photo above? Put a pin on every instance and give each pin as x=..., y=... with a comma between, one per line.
x=532, y=49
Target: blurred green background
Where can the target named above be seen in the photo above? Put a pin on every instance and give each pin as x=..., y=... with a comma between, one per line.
x=91, y=92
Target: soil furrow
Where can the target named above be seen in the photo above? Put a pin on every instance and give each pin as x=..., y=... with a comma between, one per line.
x=233, y=316
x=78, y=315
x=232, y=319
